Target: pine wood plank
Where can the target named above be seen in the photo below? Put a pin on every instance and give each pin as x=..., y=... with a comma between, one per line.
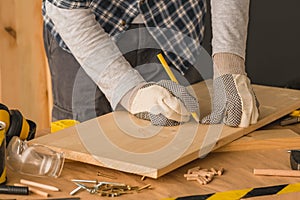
x=111, y=140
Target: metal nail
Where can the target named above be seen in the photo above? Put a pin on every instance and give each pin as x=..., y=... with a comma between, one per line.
x=106, y=175
x=85, y=181
x=144, y=187
x=90, y=190
x=75, y=190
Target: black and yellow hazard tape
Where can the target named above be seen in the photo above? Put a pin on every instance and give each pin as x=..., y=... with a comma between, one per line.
x=244, y=193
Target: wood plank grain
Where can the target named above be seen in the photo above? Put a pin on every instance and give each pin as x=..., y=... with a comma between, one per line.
x=238, y=175
x=24, y=79
x=120, y=141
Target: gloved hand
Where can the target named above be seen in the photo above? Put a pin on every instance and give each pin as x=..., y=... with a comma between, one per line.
x=164, y=103
x=234, y=102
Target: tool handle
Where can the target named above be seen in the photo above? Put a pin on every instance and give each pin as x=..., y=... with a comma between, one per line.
x=9, y=189
x=290, y=121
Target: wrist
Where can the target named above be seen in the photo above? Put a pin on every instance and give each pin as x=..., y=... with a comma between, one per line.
x=228, y=63
x=127, y=99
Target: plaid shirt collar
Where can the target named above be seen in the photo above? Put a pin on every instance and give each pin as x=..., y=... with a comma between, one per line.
x=176, y=25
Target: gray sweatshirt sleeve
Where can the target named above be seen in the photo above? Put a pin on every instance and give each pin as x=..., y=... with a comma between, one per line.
x=95, y=51
x=229, y=26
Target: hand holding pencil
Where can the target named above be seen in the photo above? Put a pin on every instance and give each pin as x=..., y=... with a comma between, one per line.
x=164, y=103
x=173, y=78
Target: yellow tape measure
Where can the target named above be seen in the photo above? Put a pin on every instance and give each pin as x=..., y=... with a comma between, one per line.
x=62, y=124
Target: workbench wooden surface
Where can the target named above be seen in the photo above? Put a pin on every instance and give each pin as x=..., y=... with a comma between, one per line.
x=120, y=141
x=238, y=174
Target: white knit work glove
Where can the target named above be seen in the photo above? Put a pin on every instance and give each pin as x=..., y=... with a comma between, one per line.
x=164, y=103
x=234, y=102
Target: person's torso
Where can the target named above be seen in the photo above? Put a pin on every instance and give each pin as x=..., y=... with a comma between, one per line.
x=168, y=21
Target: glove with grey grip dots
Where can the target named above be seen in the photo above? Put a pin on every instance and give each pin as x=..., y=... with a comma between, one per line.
x=234, y=102
x=164, y=103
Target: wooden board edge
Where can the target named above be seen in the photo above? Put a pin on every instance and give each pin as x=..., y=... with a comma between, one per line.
x=89, y=159
x=195, y=155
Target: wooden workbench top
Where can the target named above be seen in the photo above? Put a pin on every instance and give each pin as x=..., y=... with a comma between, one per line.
x=238, y=175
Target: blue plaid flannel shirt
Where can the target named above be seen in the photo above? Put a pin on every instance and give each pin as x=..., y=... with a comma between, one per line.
x=176, y=25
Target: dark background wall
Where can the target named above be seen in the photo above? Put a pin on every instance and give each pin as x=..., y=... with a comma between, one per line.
x=273, y=46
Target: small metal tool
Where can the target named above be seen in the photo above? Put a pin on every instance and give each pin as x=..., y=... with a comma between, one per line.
x=111, y=183
x=91, y=190
x=293, y=118
x=108, y=189
x=295, y=159
x=73, y=192
x=85, y=181
x=290, y=121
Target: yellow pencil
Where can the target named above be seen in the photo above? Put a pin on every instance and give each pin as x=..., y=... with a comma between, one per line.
x=173, y=78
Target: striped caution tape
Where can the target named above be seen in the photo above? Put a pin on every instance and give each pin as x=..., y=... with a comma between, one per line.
x=244, y=193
